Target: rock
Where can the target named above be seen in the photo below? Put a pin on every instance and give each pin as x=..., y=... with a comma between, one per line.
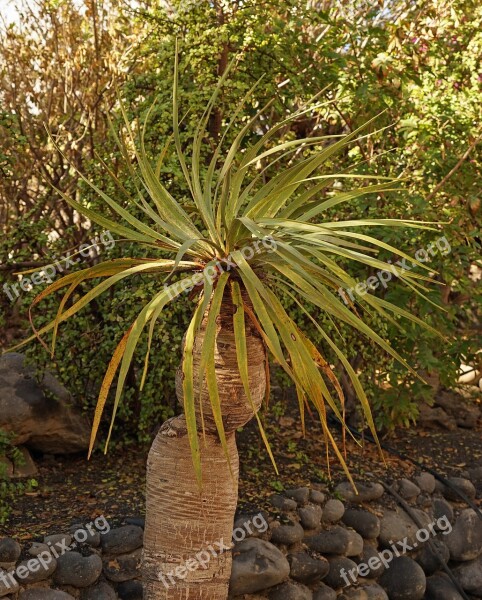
x=310, y=516
x=60, y=542
x=323, y=592
x=333, y=511
x=375, y=592
x=465, y=540
x=9, y=551
x=426, y=482
x=469, y=576
x=369, y=563
x=317, y=497
x=6, y=467
x=122, y=539
x=36, y=548
x=123, y=567
x=463, y=413
x=354, y=594
x=465, y=486
x=282, y=503
x=306, y=569
x=300, y=495
x=78, y=571
x=434, y=417
x=26, y=468
x=88, y=536
x=404, y=580
x=339, y=573
x=366, y=491
x=44, y=594
x=101, y=591
x=257, y=565
x=363, y=522
x=290, y=591
x=424, y=500
x=287, y=534
x=407, y=489
x=431, y=561
x=34, y=570
x=336, y=541
x=42, y=414
x=139, y=521
x=396, y=525
x=439, y=587
x=443, y=510
x=130, y=590
x=8, y=584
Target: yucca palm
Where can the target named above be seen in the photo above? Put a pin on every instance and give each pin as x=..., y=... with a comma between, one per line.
x=250, y=241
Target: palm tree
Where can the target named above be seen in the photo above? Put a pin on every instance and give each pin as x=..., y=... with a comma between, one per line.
x=250, y=242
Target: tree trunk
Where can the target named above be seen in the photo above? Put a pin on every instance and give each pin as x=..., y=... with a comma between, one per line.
x=188, y=533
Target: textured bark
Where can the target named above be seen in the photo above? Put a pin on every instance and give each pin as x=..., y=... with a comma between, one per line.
x=183, y=524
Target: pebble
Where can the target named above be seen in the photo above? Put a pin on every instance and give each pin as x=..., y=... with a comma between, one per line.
x=439, y=587
x=354, y=594
x=310, y=516
x=60, y=542
x=282, y=503
x=465, y=540
x=7, y=587
x=317, y=497
x=34, y=570
x=334, y=578
x=307, y=569
x=130, y=590
x=85, y=536
x=139, y=521
x=426, y=482
x=370, y=558
x=407, y=489
x=336, y=541
x=257, y=565
x=123, y=567
x=122, y=539
x=375, y=592
x=287, y=534
x=443, y=510
x=366, y=491
x=363, y=522
x=290, y=591
x=101, y=591
x=9, y=551
x=404, y=580
x=300, y=495
x=469, y=576
x=45, y=594
x=429, y=560
x=396, y=525
x=77, y=570
x=333, y=511
x=464, y=485
x=323, y=592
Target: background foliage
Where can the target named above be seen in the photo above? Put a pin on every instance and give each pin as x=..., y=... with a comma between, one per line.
x=67, y=63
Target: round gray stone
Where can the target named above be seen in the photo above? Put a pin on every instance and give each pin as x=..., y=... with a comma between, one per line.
x=290, y=591
x=122, y=539
x=35, y=570
x=45, y=594
x=300, y=495
x=123, y=567
x=374, y=566
x=10, y=550
x=307, y=569
x=310, y=516
x=426, y=482
x=354, y=594
x=337, y=540
x=363, y=522
x=283, y=503
x=100, y=591
x=287, y=534
x=375, y=592
x=333, y=511
x=469, y=576
x=439, y=587
x=257, y=565
x=338, y=576
x=443, y=510
x=323, y=592
x=366, y=491
x=404, y=580
x=430, y=560
x=463, y=485
x=77, y=570
x=465, y=540
x=407, y=489
x=317, y=497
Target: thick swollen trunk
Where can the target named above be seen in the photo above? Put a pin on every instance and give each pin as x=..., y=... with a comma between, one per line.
x=188, y=534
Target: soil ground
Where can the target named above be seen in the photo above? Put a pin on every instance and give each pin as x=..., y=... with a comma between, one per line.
x=74, y=490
